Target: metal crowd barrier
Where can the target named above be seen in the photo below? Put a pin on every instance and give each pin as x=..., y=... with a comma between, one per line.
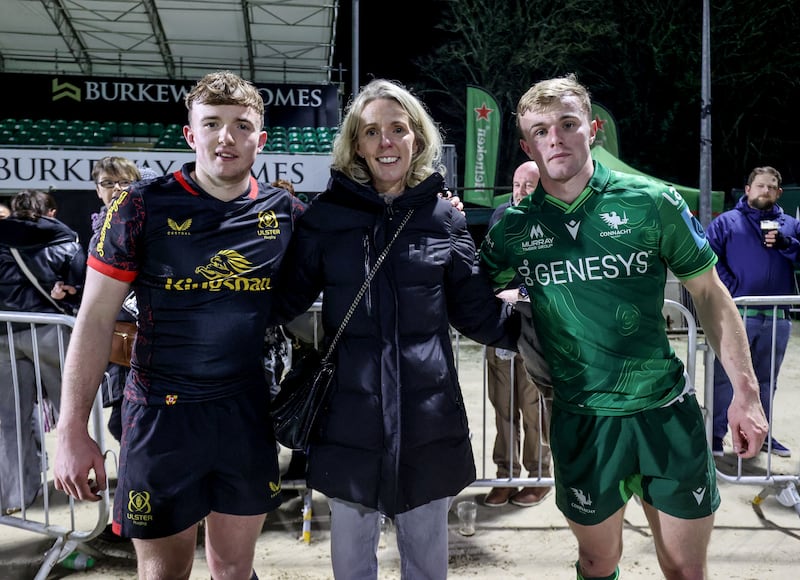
x=468, y=353
x=40, y=518
x=67, y=523
x=484, y=453
x=783, y=485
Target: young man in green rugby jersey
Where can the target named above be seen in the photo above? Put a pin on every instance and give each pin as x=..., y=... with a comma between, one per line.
x=593, y=247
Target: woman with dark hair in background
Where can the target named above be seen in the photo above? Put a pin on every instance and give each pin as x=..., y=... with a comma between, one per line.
x=50, y=251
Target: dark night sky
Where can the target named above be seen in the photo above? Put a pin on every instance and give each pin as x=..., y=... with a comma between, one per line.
x=388, y=43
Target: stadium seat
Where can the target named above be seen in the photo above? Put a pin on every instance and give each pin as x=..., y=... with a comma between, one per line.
x=125, y=129
x=156, y=129
x=37, y=137
x=296, y=148
x=74, y=125
x=41, y=125
x=325, y=147
x=141, y=129
x=278, y=146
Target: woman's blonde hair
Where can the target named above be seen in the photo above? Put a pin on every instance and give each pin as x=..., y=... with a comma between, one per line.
x=427, y=157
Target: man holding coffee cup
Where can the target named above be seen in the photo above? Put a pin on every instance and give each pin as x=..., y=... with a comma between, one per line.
x=758, y=247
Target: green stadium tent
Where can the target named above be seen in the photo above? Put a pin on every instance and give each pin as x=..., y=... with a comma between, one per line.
x=690, y=194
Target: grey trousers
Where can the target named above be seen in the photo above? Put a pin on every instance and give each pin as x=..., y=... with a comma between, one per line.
x=26, y=454
x=421, y=540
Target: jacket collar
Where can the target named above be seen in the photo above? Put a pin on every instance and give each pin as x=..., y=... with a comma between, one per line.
x=345, y=191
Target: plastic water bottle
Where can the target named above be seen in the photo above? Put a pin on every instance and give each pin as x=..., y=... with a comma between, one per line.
x=77, y=561
x=386, y=526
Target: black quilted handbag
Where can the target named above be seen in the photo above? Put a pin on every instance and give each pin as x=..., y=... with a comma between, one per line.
x=302, y=394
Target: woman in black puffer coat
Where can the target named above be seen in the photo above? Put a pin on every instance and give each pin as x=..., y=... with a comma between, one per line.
x=51, y=251
x=394, y=437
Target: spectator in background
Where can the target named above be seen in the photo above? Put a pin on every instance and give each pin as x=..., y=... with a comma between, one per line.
x=758, y=246
x=281, y=345
x=50, y=251
x=5, y=211
x=526, y=178
x=289, y=186
x=113, y=175
x=393, y=438
x=531, y=401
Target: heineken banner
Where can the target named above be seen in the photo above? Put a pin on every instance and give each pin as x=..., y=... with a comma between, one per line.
x=606, y=136
x=483, y=139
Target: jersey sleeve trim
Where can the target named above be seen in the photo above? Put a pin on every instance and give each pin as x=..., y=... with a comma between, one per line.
x=110, y=271
x=710, y=264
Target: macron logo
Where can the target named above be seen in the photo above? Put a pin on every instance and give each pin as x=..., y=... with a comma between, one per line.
x=699, y=494
x=573, y=227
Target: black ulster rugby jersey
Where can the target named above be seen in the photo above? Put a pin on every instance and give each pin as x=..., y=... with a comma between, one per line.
x=203, y=271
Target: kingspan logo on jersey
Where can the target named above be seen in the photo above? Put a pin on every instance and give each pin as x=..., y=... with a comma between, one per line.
x=225, y=271
x=537, y=239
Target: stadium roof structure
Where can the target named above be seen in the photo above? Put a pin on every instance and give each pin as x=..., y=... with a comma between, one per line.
x=266, y=41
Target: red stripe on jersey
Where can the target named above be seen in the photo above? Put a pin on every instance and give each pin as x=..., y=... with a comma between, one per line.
x=252, y=194
x=110, y=271
x=182, y=180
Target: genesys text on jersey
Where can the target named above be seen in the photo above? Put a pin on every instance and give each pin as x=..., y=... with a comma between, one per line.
x=66, y=170
x=588, y=269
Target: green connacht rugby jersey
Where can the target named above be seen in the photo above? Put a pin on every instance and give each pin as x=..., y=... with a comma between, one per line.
x=595, y=271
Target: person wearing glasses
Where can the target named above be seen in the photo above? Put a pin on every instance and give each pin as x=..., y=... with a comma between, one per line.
x=111, y=176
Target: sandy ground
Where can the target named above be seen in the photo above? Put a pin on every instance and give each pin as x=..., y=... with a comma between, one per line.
x=751, y=541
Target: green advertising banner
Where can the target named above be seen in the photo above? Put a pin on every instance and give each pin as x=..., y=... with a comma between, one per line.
x=606, y=136
x=483, y=139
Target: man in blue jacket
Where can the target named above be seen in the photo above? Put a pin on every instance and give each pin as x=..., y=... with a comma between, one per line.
x=758, y=246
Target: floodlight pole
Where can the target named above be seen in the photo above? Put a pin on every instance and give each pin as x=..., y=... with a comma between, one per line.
x=354, y=86
x=704, y=209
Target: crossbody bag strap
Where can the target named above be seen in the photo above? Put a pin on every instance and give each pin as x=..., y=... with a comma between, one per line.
x=364, y=287
x=25, y=270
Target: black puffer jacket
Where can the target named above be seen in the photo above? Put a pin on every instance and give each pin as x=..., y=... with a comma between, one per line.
x=51, y=251
x=394, y=435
